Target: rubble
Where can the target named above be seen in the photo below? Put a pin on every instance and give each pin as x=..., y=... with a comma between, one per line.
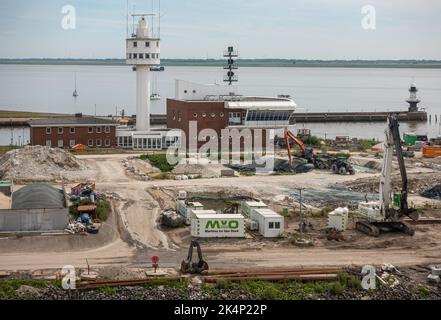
x=40, y=163
x=433, y=193
x=199, y=168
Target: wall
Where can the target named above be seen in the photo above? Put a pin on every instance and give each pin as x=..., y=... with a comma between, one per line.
x=185, y=90
x=34, y=220
x=81, y=136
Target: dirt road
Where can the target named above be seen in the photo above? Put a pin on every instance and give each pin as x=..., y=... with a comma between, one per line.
x=139, y=212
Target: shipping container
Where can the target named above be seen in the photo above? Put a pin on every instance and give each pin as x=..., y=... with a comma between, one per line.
x=205, y=225
x=271, y=224
x=248, y=207
x=184, y=208
x=431, y=152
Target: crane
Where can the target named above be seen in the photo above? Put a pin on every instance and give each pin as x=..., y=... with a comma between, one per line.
x=382, y=216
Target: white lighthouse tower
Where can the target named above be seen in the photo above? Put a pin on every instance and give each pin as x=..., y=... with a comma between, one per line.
x=143, y=51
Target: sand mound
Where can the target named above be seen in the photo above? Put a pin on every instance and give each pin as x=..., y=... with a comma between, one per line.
x=38, y=163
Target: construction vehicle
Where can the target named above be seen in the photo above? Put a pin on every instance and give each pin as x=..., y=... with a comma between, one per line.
x=190, y=267
x=385, y=216
x=320, y=161
x=306, y=153
x=342, y=166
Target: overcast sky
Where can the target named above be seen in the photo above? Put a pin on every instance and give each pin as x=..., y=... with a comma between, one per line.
x=298, y=29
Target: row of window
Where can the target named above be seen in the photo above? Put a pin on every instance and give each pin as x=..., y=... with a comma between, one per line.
x=255, y=115
x=98, y=143
x=146, y=44
x=72, y=130
x=143, y=56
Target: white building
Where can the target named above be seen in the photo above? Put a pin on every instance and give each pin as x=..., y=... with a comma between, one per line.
x=271, y=224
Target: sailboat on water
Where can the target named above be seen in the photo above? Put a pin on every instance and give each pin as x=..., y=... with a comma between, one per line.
x=75, y=93
x=155, y=96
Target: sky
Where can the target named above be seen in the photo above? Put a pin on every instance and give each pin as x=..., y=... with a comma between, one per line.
x=293, y=29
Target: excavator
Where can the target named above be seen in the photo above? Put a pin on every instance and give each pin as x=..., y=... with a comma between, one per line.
x=323, y=161
x=385, y=215
x=190, y=267
x=306, y=153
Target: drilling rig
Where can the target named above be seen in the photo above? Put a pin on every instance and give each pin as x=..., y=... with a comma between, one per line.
x=387, y=215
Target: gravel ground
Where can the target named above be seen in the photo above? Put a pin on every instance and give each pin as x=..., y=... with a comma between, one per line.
x=405, y=290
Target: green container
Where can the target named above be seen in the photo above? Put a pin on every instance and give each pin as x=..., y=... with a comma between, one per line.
x=397, y=200
x=410, y=139
x=285, y=211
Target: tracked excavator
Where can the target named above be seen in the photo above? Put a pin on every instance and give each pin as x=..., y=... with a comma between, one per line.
x=322, y=161
x=387, y=215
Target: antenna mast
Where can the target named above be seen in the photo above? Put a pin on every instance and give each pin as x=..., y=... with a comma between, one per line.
x=230, y=54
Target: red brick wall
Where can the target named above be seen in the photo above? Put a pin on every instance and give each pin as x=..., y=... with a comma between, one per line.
x=185, y=110
x=81, y=136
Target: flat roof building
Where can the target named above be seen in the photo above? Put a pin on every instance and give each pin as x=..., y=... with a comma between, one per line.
x=68, y=132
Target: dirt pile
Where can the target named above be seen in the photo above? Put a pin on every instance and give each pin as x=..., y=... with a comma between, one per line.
x=39, y=163
x=418, y=183
x=199, y=168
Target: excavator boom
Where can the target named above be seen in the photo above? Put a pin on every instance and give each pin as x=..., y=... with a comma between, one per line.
x=288, y=135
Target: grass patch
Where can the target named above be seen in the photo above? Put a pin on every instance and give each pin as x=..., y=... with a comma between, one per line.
x=8, y=288
x=159, y=161
x=108, y=290
x=423, y=292
x=5, y=149
x=102, y=210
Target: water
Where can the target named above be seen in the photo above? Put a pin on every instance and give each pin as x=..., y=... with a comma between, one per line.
x=49, y=89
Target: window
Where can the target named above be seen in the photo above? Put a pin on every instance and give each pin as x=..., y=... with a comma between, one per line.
x=271, y=225
x=48, y=130
x=90, y=143
x=141, y=56
x=147, y=56
x=130, y=56
x=135, y=44
x=185, y=91
x=147, y=44
x=107, y=129
x=107, y=143
x=195, y=115
x=60, y=130
x=222, y=114
x=72, y=130
x=277, y=225
x=194, y=91
x=213, y=115
x=98, y=130
x=157, y=43
x=98, y=142
x=48, y=143
x=72, y=143
x=60, y=143
x=204, y=115
x=90, y=129
x=135, y=56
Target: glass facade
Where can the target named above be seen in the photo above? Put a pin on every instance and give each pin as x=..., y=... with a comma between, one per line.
x=257, y=115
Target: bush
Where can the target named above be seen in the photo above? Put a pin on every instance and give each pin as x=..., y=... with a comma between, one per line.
x=312, y=141
x=159, y=161
x=222, y=284
x=102, y=208
x=336, y=288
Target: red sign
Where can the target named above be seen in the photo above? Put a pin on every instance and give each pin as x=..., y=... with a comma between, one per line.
x=155, y=259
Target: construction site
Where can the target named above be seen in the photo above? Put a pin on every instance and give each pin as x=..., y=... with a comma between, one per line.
x=290, y=226
x=300, y=217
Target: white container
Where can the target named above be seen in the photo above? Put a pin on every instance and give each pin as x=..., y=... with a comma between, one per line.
x=182, y=195
x=271, y=224
x=205, y=225
x=185, y=209
x=248, y=207
x=338, y=219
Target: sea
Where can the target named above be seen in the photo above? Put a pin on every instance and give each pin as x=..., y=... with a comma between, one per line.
x=107, y=90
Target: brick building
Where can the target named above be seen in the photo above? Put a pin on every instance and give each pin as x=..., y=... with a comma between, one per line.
x=212, y=107
x=68, y=132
